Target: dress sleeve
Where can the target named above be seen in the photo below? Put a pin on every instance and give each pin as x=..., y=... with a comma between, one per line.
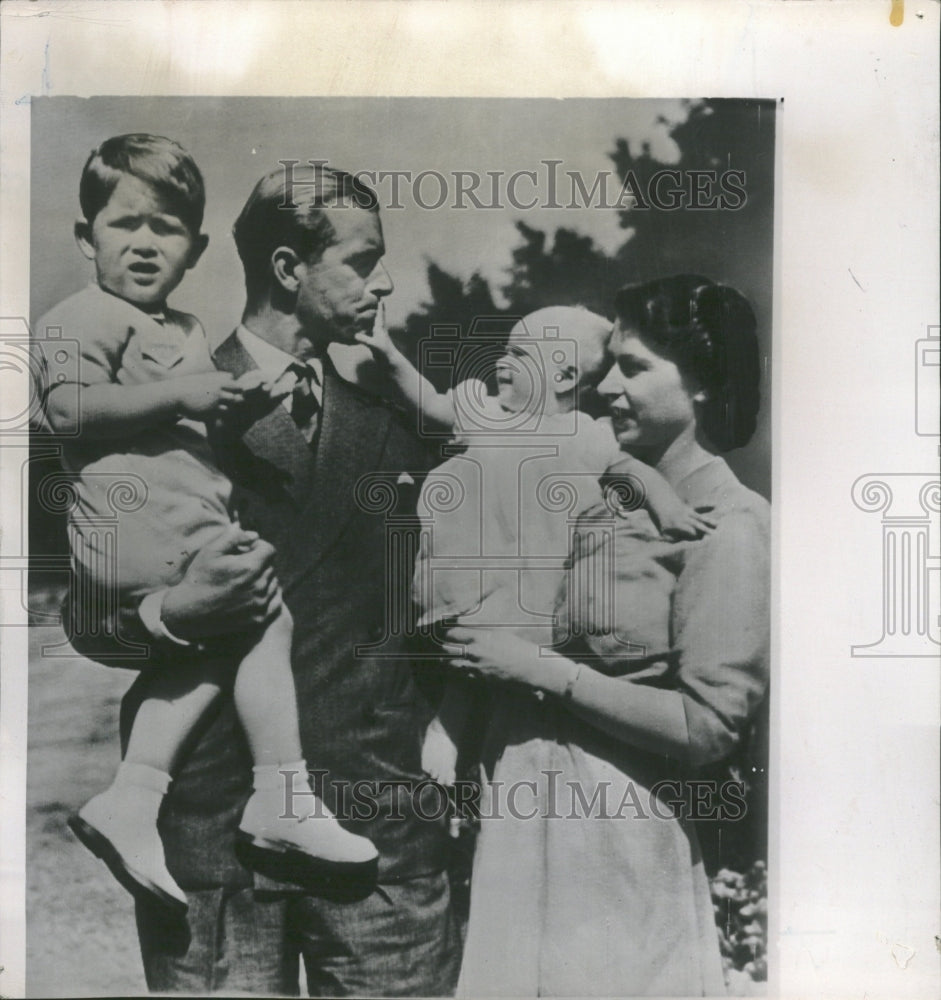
x=721, y=629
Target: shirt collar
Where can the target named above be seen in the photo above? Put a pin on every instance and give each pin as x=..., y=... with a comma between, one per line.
x=272, y=359
x=274, y=362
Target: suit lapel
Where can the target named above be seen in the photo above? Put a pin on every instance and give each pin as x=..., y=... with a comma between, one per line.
x=271, y=435
x=353, y=431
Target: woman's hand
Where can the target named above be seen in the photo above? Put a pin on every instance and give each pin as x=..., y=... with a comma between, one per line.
x=494, y=652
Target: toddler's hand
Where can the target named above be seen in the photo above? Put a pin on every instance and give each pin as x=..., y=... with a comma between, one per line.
x=378, y=339
x=439, y=754
x=208, y=394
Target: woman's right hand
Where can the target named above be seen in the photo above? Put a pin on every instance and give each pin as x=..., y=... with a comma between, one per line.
x=229, y=586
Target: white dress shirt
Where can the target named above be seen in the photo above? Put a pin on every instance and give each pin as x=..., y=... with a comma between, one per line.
x=275, y=363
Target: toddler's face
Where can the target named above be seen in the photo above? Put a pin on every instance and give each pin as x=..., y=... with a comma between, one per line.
x=140, y=246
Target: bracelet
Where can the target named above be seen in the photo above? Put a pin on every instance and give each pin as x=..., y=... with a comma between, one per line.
x=571, y=682
x=150, y=612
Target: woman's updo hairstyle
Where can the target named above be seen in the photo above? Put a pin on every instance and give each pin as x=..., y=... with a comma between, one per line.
x=708, y=331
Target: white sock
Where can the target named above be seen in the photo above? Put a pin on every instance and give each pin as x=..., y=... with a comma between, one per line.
x=143, y=776
x=149, y=784
x=269, y=777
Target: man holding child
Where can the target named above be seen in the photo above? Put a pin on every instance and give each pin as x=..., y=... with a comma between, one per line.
x=314, y=277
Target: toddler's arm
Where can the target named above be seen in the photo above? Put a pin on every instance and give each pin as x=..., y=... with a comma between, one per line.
x=111, y=410
x=672, y=517
x=444, y=734
x=416, y=391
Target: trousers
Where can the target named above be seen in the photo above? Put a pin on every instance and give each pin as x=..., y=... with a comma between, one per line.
x=400, y=941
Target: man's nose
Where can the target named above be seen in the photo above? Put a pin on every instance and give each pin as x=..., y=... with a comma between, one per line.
x=380, y=281
x=610, y=384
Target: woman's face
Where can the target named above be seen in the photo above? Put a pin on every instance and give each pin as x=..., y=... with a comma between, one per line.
x=651, y=402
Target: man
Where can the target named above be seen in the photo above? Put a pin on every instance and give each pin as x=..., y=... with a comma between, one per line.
x=311, y=245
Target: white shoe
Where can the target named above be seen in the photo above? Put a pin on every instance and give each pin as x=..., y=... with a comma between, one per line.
x=115, y=828
x=309, y=848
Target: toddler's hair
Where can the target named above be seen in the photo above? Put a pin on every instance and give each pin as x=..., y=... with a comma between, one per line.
x=160, y=162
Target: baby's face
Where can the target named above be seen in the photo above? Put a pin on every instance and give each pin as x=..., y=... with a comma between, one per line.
x=526, y=371
x=140, y=246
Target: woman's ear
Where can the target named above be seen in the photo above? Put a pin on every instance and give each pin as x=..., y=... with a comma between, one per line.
x=83, y=237
x=284, y=263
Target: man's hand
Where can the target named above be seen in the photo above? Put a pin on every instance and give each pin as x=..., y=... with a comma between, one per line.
x=229, y=586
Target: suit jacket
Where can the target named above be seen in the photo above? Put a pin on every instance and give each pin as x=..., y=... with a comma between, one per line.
x=361, y=711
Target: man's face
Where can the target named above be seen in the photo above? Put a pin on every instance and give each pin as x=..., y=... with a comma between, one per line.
x=339, y=294
x=140, y=246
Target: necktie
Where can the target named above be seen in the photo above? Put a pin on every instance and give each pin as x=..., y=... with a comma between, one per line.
x=304, y=405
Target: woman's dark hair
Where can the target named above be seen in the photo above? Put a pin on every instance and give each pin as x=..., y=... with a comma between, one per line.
x=708, y=331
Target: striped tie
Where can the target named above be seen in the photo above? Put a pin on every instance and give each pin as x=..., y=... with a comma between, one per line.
x=304, y=406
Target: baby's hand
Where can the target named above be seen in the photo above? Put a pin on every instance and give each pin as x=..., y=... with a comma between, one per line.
x=378, y=339
x=683, y=522
x=209, y=394
x=439, y=754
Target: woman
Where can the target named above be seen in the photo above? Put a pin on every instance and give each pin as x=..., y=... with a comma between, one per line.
x=589, y=879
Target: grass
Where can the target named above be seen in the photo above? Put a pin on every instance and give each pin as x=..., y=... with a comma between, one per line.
x=80, y=933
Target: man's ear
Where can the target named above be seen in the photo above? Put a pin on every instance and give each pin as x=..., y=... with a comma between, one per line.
x=197, y=250
x=284, y=264
x=83, y=238
x=564, y=379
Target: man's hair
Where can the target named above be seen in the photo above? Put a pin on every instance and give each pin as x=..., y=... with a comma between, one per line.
x=708, y=331
x=287, y=209
x=159, y=162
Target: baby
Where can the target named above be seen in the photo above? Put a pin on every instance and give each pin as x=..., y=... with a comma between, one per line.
x=532, y=461
x=146, y=386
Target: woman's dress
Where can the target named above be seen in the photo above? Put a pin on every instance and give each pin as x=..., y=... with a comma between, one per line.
x=588, y=879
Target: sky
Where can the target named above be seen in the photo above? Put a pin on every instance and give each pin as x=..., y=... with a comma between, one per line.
x=235, y=140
